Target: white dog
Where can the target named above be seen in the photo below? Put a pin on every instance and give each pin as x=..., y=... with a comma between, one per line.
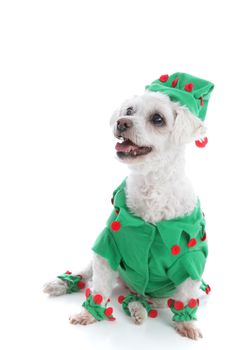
x=153, y=131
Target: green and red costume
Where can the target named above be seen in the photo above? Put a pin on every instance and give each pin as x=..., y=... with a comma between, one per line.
x=153, y=259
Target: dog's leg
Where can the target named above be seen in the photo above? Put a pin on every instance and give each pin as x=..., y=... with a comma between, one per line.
x=102, y=283
x=58, y=287
x=186, y=292
x=138, y=312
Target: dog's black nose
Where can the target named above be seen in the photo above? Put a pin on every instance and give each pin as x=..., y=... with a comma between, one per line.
x=123, y=124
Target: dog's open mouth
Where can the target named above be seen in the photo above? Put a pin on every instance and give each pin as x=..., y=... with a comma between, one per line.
x=128, y=149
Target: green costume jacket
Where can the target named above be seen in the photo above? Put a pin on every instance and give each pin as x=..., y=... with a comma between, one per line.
x=152, y=259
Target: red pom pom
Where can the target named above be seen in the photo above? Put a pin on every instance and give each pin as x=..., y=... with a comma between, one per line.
x=175, y=250
x=108, y=311
x=204, y=237
x=208, y=289
x=121, y=299
x=188, y=87
x=81, y=284
x=202, y=143
x=174, y=82
x=98, y=298
x=87, y=292
x=192, y=303
x=153, y=313
x=68, y=273
x=108, y=300
x=170, y=302
x=115, y=226
x=111, y=318
x=192, y=242
x=178, y=305
x=163, y=78
x=116, y=212
x=201, y=101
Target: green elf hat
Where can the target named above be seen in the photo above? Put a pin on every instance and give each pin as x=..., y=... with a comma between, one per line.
x=189, y=91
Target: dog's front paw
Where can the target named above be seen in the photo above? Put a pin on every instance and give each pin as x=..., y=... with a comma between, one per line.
x=83, y=318
x=138, y=312
x=189, y=330
x=55, y=288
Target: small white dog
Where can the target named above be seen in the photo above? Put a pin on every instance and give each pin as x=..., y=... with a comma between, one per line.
x=154, y=129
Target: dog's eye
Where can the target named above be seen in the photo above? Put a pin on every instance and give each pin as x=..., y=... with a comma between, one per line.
x=157, y=120
x=129, y=111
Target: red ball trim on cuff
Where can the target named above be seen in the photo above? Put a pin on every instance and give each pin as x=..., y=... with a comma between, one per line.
x=121, y=299
x=153, y=313
x=170, y=302
x=81, y=284
x=108, y=311
x=178, y=305
x=201, y=143
x=163, y=78
x=87, y=292
x=192, y=303
x=98, y=298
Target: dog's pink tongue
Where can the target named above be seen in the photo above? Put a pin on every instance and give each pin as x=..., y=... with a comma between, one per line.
x=125, y=146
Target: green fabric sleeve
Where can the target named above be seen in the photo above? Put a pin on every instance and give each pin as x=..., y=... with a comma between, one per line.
x=106, y=247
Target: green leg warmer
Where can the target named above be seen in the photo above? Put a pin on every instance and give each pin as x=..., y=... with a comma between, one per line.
x=93, y=304
x=132, y=297
x=183, y=312
x=74, y=282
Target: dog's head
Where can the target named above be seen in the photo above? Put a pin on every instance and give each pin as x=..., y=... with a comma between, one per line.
x=150, y=125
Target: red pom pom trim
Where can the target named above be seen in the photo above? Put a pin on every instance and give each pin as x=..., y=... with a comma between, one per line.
x=115, y=226
x=111, y=318
x=189, y=87
x=163, y=78
x=201, y=143
x=201, y=101
x=170, y=302
x=174, y=82
x=68, y=273
x=178, y=305
x=98, y=298
x=121, y=299
x=87, y=292
x=175, y=249
x=108, y=311
x=153, y=313
x=192, y=303
x=204, y=237
x=192, y=242
x=81, y=284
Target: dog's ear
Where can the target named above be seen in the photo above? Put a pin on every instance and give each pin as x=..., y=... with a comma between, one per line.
x=187, y=127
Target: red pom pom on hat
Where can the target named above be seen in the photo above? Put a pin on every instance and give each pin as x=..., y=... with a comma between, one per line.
x=115, y=226
x=175, y=249
x=163, y=78
x=188, y=87
x=174, y=82
x=170, y=302
x=192, y=242
x=201, y=143
x=192, y=303
x=68, y=273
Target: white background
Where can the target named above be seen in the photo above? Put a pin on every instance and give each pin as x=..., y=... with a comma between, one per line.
x=65, y=66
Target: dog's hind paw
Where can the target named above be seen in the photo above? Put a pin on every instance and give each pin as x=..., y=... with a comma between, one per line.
x=84, y=318
x=55, y=288
x=138, y=312
x=188, y=329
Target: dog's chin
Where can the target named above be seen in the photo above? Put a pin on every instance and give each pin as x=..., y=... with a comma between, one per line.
x=128, y=152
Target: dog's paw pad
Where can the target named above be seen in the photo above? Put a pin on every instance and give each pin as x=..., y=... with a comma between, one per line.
x=189, y=330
